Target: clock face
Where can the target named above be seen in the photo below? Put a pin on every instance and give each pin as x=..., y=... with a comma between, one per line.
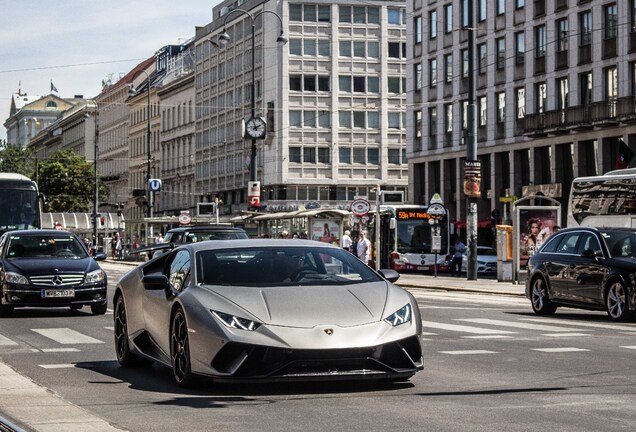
x=255, y=127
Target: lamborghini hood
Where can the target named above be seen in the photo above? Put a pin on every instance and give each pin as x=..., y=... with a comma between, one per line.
x=309, y=306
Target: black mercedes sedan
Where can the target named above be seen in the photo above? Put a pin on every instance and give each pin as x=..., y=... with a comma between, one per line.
x=585, y=267
x=49, y=268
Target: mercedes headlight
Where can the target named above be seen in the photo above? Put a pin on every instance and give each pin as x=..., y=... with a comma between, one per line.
x=400, y=316
x=233, y=321
x=95, y=276
x=16, y=278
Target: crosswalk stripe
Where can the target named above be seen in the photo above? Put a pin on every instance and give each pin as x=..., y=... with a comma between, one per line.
x=464, y=352
x=111, y=328
x=521, y=325
x=487, y=337
x=5, y=341
x=581, y=324
x=463, y=329
x=557, y=335
x=57, y=366
x=56, y=350
x=559, y=350
x=472, y=298
x=632, y=347
x=67, y=336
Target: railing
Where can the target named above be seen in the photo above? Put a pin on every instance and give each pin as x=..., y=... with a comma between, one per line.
x=603, y=113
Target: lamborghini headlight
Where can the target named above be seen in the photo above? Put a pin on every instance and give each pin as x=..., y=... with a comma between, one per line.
x=95, y=276
x=16, y=278
x=233, y=321
x=400, y=316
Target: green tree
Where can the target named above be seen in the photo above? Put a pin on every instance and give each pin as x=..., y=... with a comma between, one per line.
x=66, y=179
x=16, y=159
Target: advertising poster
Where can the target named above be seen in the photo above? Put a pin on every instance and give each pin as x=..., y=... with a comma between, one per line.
x=535, y=226
x=325, y=230
x=472, y=179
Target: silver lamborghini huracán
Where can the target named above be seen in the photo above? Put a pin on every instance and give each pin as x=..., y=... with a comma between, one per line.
x=248, y=310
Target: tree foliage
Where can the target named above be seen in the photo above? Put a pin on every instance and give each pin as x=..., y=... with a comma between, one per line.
x=67, y=181
x=16, y=159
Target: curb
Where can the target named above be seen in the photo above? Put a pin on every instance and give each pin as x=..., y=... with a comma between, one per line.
x=462, y=289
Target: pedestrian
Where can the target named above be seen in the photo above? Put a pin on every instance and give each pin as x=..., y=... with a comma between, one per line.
x=363, y=248
x=345, y=241
x=159, y=238
x=458, y=258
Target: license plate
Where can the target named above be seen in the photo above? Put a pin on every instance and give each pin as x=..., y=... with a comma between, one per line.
x=58, y=293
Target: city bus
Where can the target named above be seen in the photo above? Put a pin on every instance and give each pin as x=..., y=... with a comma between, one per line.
x=406, y=238
x=20, y=203
x=607, y=200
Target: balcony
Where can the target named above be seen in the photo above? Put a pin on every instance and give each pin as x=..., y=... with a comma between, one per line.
x=562, y=59
x=581, y=117
x=609, y=47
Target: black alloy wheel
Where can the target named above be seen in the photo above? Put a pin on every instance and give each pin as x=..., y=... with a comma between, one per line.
x=125, y=357
x=180, y=350
x=616, y=302
x=541, y=304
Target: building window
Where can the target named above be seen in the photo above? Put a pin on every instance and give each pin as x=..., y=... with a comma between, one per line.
x=394, y=120
x=632, y=15
x=359, y=84
x=309, y=47
x=563, y=95
x=324, y=119
x=324, y=155
x=309, y=119
x=359, y=14
x=585, y=27
x=501, y=107
x=294, y=154
x=483, y=58
x=464, y=12
x=295, y=12
x=396, y=16
x=585, y=82
x=432, y=70
x=295, y=47
x=359, y=156
x=464, y=53
x=394, y=84
x=344, y=155
x=432, y=122
x=611, y=21
x=309, y=155
x=394, y=156
x=449, y=67
x=359, y=119
x=418, y=76
x=481, y=14
x=295, y=82
x=464, y=115
x=483, y=110
x=521, y=102
x=344, y=119
x=344, y=83
x=323, y=83
x=397, y=50
x=373, y=156
x=373, y=120
x=611, y=83
x=448, y=18
x=417, y=117
x=632, y=68
x=417, y=28
x=540, y=97
x=360, y=49
x=540, y=41
x=448, y=118
x=294, y=118
x=373, y=84
x=562, y=35
x=324, y=47
x=501, y=52
x=520, y=47
x=501, y=7
x=432, y=18
x=520, y=4
x=309, y=83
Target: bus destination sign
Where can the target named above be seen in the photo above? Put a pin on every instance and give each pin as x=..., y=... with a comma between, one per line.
x=415, y=214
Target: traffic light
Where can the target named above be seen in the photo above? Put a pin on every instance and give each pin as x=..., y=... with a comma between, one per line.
x=101, y=221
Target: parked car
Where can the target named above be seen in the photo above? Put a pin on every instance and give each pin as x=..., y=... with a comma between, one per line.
x=267, y=309
x=584, y=267
x=486, y=260
x=194, y=234
x=49, y=268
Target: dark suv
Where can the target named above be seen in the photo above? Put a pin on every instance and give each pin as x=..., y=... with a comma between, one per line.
x=193, y=234
x=585, y=267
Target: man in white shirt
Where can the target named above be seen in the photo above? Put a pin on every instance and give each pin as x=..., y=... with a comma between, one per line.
x=346, y=242
x=363, y=248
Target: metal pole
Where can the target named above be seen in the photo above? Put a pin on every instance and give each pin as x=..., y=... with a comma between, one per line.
x=253, y=152
x=377, y=228
x=471, y=148
x=95, y=184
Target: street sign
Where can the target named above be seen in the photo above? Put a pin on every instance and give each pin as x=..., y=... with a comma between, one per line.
x=437, y=199
x=360, y=207
x=436, y=210
x=185, y=218
x=154, y=185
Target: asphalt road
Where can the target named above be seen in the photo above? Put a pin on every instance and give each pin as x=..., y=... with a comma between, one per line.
x=490, y=364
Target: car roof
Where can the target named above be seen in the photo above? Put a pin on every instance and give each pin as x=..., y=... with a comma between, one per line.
x=205, y=228
x=256, y=243
x=36, y=232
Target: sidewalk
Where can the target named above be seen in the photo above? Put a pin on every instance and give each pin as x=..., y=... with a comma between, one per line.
x=446, y=282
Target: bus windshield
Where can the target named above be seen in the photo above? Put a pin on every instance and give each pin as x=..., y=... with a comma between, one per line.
x=416, y=236
x=602, y=197
x=19, y=209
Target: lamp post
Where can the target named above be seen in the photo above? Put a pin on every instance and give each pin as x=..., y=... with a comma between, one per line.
x=255, y=127
x=132, y=92
x=95, y=185
x=471, y=150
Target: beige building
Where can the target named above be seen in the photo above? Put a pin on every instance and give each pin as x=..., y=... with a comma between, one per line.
x=333, y=97
x=555, y=92
x=30, y=115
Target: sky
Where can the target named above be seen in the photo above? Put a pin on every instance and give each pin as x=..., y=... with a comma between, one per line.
x=77, y=43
